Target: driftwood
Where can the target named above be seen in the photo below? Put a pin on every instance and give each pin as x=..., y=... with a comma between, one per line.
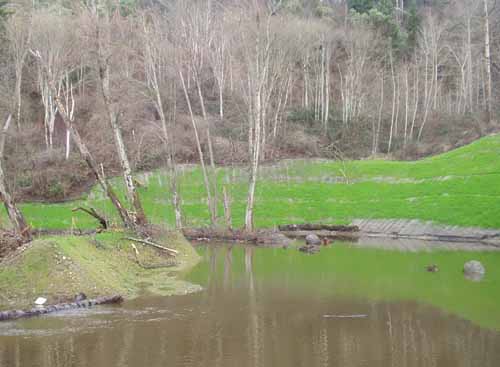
x=37, y=311
x=167, y=264
x=149, y=243
x=92, y=212
x=317, y=227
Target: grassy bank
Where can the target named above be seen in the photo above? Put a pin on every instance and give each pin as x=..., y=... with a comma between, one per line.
x=61, y=266
x=461, y=187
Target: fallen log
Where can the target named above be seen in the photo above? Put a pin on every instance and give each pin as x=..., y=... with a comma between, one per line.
x=264, y=237
x=38, y=311
x=318, y=227
x=93, y=213
x=333, y=235
x=149, y=243
x=167, y=264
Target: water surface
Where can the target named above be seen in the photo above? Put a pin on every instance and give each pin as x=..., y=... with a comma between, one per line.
x=277, y=307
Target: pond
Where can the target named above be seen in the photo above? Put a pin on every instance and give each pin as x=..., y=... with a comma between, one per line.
x=345, y=306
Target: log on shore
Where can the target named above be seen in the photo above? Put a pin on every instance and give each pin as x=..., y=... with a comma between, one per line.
x=317, y=227
x=265, y=238
x=38, y=311
x=333, y=235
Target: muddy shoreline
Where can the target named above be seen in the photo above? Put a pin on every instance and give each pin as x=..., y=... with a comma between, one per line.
x=365, y=232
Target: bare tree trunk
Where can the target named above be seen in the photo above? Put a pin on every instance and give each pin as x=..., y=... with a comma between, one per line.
x=254, y=165
x=16, y=218
x=427, y=99
x=131, y=190
x=154, y=63
x=176, y=196
x=469, y=65
x=398, y=103
x=213, y=184
x=487, y=60
x=305, y=69
x=391, y=132
x=200, y=151
x=171, y=165
x=84, y=152
x=376, y=134
x=70, y=108
x=104, y=76
x=407, y=96
x=258, y=72
x=99, y=175
x=19, y=29
x=326, y=112
x=416, y=100
x=227, y=208
x=19, y=75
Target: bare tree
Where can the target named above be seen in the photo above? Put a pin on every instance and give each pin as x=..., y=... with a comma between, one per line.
x=56, y=49
x=195, y=24
x=487, y=60
x=16, y=218
x=103, y=29
x=51, y=71
x=158, y=57
x=257, y=40
x=217, y=52
x=19, y=31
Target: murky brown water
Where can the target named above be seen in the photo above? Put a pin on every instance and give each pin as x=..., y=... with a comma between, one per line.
x=242, y=319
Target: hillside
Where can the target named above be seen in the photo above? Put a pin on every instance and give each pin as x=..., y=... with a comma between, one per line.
x=60, y=267
x=461, y=187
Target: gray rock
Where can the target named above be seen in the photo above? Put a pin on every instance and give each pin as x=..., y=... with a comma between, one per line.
x=309, y=249
x=312, y=239
x=474, y=270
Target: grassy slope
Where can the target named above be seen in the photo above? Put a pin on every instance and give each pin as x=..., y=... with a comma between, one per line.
x=61, y=266
x=461, y=187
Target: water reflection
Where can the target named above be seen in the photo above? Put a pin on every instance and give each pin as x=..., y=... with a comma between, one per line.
x=246, y=319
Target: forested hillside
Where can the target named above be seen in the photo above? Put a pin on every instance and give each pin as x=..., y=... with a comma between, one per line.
x=91, y=90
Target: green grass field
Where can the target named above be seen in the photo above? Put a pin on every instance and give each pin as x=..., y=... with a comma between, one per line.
x=461, y=187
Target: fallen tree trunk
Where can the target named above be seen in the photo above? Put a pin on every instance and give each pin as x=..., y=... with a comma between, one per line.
x=19, y=224
x=333, y=235
x=318, y=227
x=146, y=242
x=92, y=212
x=37, y=311
x=167, y=264
x=266, y=238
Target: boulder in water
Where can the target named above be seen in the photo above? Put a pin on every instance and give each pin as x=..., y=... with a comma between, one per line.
x=474, y=270
x=312, y=239
x=309, y=249
x=432, y=268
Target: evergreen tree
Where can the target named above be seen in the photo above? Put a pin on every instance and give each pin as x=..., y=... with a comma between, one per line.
x=412, y=24
x=362, y=6
x=4, y=13
x=3, y=10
